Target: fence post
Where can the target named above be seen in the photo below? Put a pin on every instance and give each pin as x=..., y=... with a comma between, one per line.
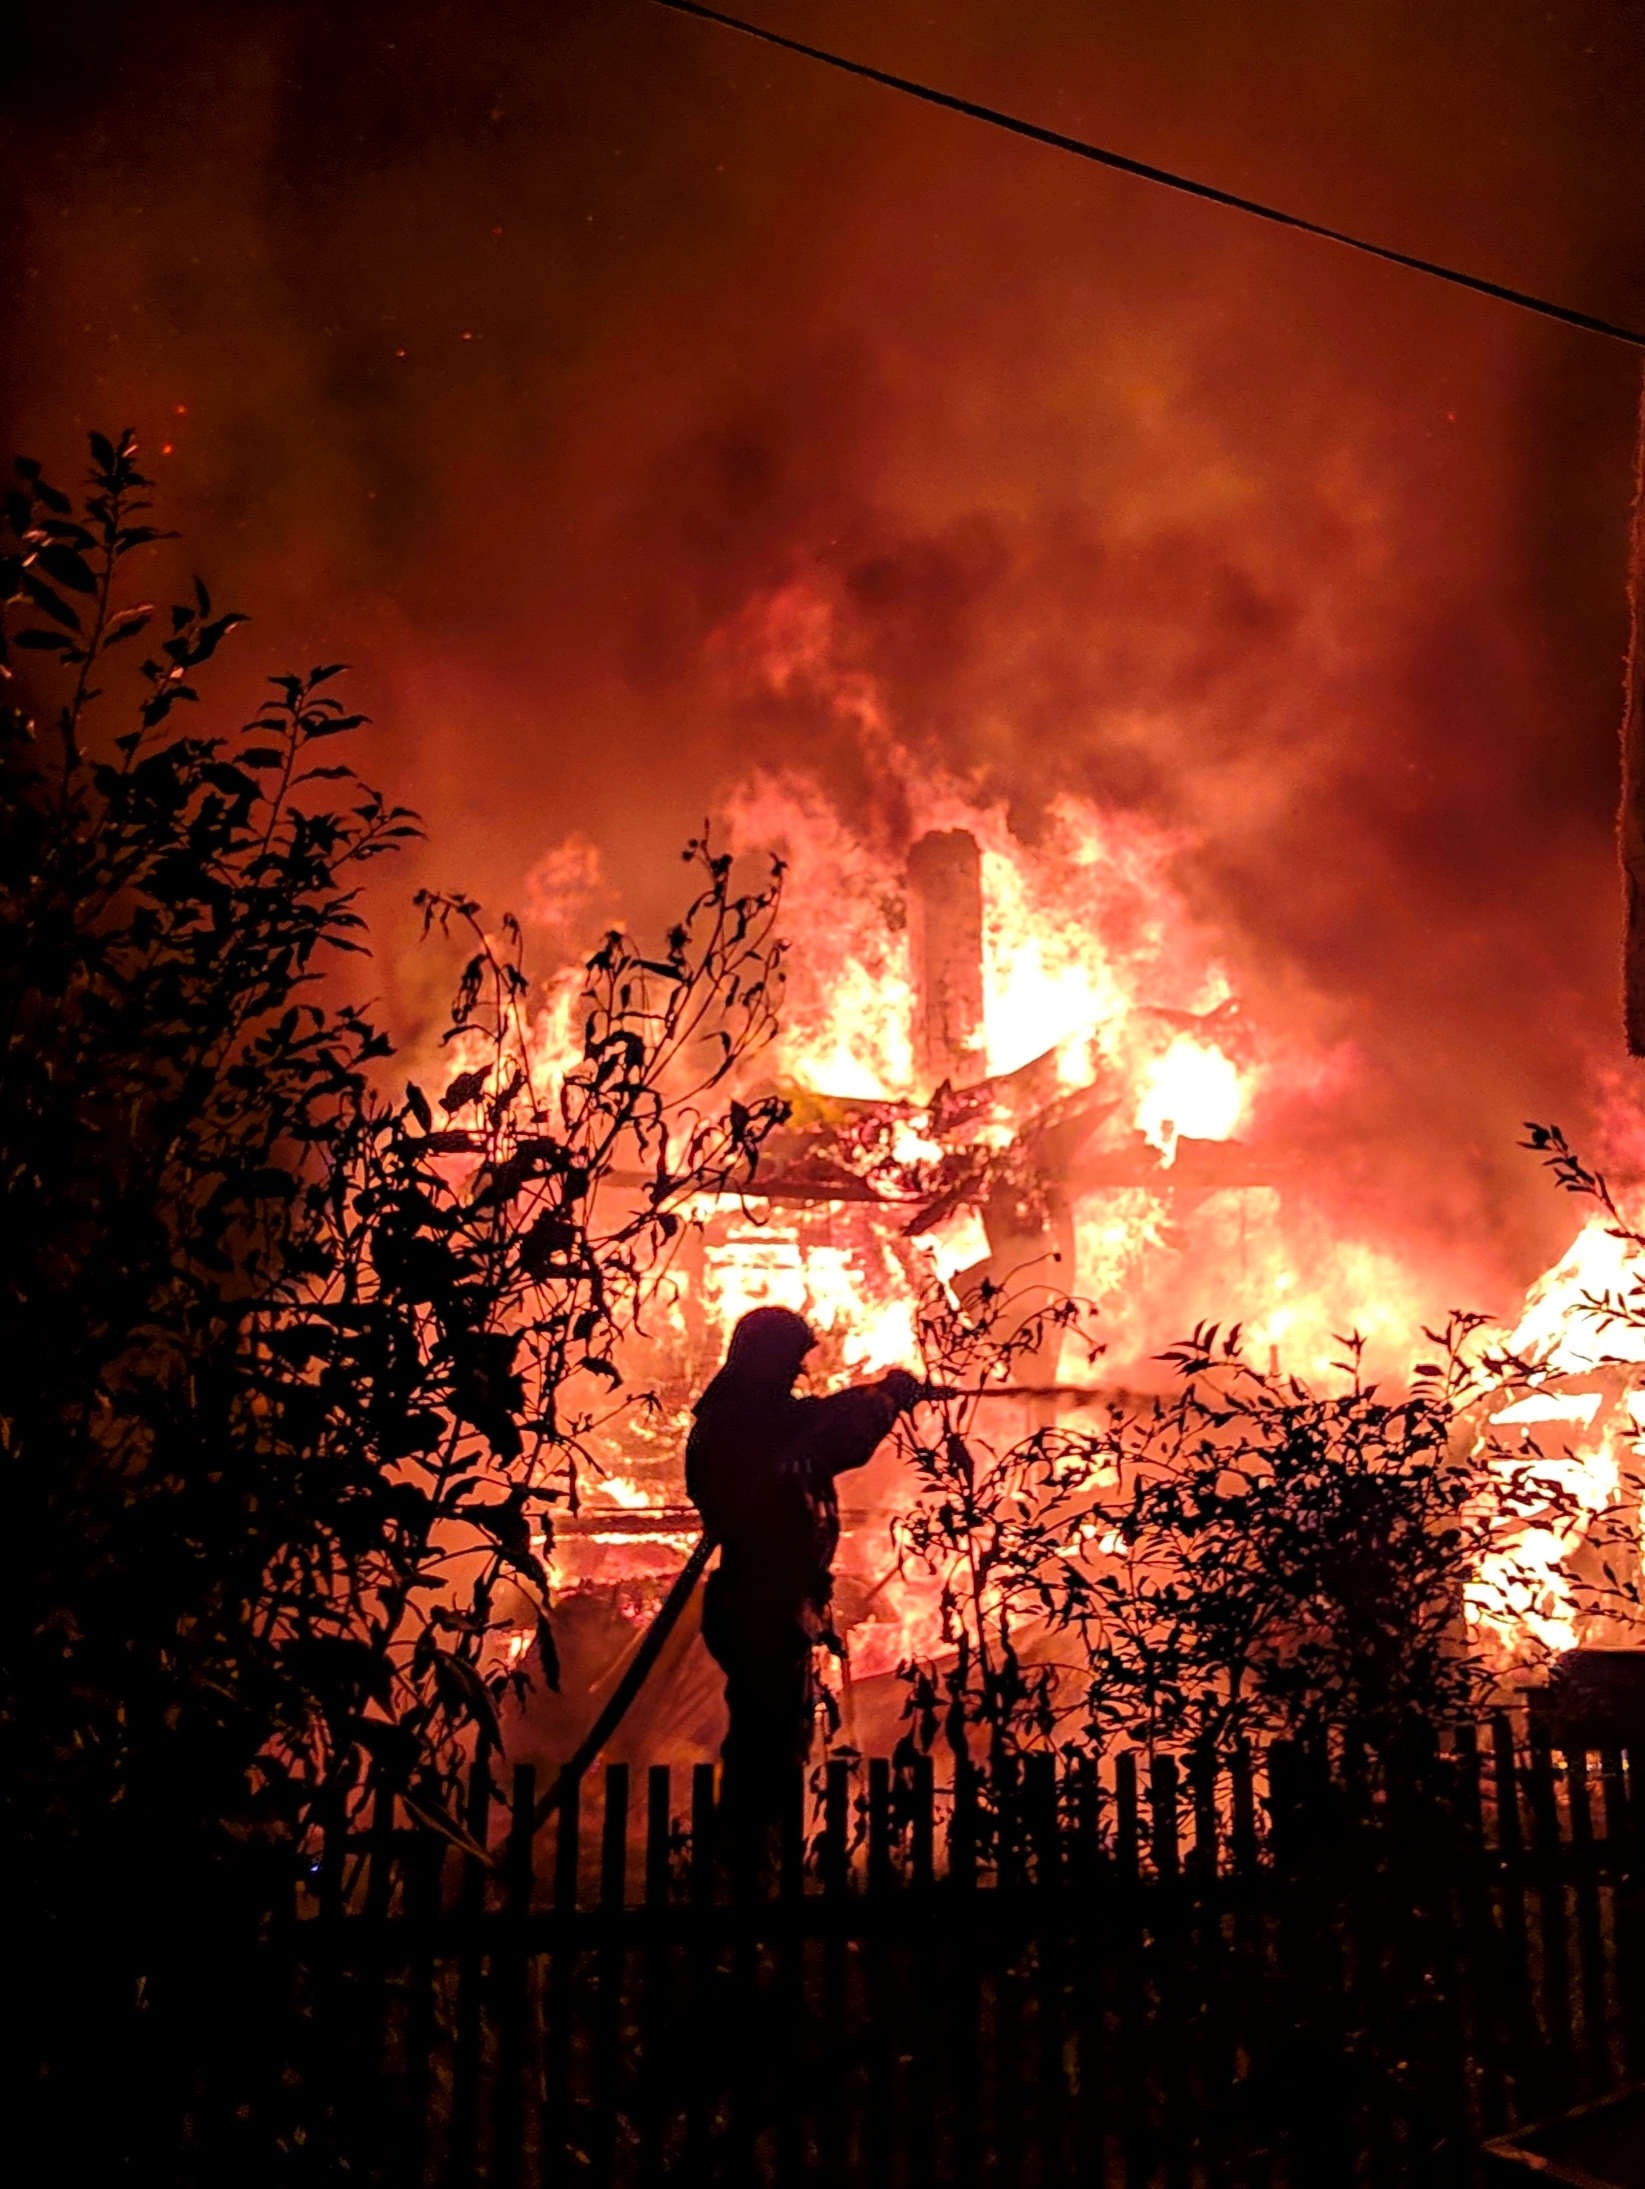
x=1618, y=1825
x=1007, y=1823
x=788, y=1995
x=701, y=2055
x=1623, y=1802
x=379, y=1886
x=654, y=2022
x=1039, y=1802
x=879, y=1825
x=1174, y=1970
x=834, y=2035
x=1543, y=1802
x=333, y=1854
x=425, y=1871
x=1131, y=2045
x=1125, y=1815
x=924, y=1798
x=791, y=1835
x=607, y=2036
x=880, y=1915
x=562, y=1984
x=1465, y=1749
x=1057, y=2065
x=836, y=1862
x=1245, y=1811
x=961, y=1952
x=1590, y=1935
x=471, y=1907
x=1524, y=2068
x=962, y=1827
x=1163, y=1799
x=515, y=1987
x=658, y=1822
x=702, y=1835
x=1284, y=1821
x=1085, y=1817
x=1505, y=1785
x=1203, y=1772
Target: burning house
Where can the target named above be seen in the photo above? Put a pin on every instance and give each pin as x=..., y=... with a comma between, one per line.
x=1027, y=1070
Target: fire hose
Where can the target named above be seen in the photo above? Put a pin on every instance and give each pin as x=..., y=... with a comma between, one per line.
x=639, y=1671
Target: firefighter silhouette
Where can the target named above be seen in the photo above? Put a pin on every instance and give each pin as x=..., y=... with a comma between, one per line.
x=760, y=1467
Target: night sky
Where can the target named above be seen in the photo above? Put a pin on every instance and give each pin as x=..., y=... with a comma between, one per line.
x=514, y=355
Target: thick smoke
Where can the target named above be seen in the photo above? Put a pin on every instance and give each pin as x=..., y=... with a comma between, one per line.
x=525, y=362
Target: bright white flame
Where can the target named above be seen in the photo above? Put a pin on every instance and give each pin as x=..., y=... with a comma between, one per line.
x=623, y=1490
x=860, y=1291
x=1526, y=1587
x=1192, y=1091
x=959, y=1242
x=1554, y=1406
x=1558, y=1330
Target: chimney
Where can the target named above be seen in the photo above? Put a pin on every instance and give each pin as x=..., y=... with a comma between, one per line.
x=945, y=958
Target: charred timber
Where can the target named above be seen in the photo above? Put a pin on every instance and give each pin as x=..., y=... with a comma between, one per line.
x=945, y=957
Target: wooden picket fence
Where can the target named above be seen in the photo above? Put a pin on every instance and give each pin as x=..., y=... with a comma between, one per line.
x=1311, y=1969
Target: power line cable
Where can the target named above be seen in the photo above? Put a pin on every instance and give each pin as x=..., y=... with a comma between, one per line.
x=1163, y=175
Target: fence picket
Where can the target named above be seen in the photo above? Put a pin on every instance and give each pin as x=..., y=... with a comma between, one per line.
x=789, y=2095
x=1243, y=1803
x=1163, y=1802
x=834, y=2033
x=656, y=1983
x=562, y=1995
x=378, y=1895
x=424, y=1871
x=702, y=1834
x=659, y=1828
x=836, y=1858
x=465, y=2073
x=701, y=1969
x=1040, y=1819
x=1557, y=2017
x=1623, y=1801
x=1618, y=1828
x=922, y=1825
x=791, y=1836
x=1590, y=1941
x=1204, y=1774
x=962, y=1829
x=1125, y=1816
x=879, y=1825
x=1505, y=1787
x=607, y=2047
x=514, y=1986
